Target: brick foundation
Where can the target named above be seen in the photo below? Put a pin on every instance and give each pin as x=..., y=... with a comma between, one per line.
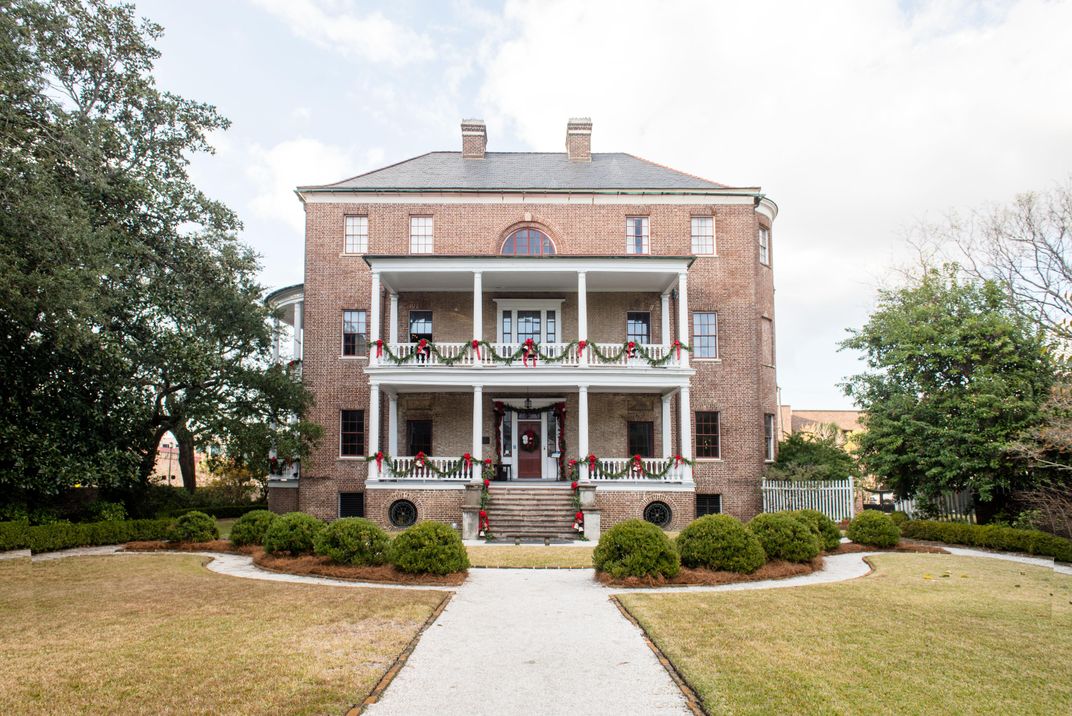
x=283, y=499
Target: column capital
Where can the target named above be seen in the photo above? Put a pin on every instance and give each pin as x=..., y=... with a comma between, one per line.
x=477, y=274
x=479, y=387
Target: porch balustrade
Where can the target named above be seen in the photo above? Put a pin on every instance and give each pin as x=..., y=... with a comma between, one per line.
x=430, y=468
x=624, y=469
x=621, y=469
x=564, y=354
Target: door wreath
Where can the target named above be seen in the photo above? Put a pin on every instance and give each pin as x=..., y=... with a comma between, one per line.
x=530, y=440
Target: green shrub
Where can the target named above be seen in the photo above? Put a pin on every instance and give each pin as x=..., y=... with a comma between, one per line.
x=899, y=518
x=104, y=511
x=251, y=527
x=991, y=536
x=14, y=535
x=223, y=512
x=784, y=536
x=636, y=548
x=720, y=542
x=294, y=533
x=14, y=512
x=353, y=540
x=429, y=547
x=874, y=529
x=64, y=535
x=195, y=527
x=821, y=526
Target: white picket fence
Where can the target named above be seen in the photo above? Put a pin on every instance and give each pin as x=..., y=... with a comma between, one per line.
x=953, y=506
x=834, y=498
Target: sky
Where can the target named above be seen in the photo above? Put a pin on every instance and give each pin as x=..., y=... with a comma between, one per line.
x=862, y=119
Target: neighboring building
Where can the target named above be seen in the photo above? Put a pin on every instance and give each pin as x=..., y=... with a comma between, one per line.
x=607, y=263
x=843, y=423
x=166, y=470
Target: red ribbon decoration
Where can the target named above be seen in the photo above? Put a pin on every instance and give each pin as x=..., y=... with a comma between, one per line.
x=529, y=352
x=592, y=463
x=476, y=347
x=638, y=465
x=422, y=346
x=573, y=485
x=379, y=461
x=581, y=345
x=379, y=348
x=630, y=349
x=483, y=521
x=487, y=483
x=420, y=459
x=677, y=346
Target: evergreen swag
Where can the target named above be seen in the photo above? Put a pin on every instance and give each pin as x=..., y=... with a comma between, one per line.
x=461, y=466
x=635, y=469
x=526, y=352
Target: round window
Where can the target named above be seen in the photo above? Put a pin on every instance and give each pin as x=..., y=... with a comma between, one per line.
x=658, y=513
x=402, y=513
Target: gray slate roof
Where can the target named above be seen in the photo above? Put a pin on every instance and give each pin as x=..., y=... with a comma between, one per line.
x=522, y=171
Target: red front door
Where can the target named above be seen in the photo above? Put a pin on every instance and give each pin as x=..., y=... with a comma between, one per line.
x=529, y=449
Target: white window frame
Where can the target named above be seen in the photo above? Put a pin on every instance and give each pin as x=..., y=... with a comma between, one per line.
x=703, y=237
x=630, y=237
x=355, y=234
x=512, y=306
x=421, y=234
x=768, y=437
x=694, y=336
x=764, y=245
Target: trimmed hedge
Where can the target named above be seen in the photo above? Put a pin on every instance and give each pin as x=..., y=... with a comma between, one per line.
x=898, y=517
x=822, y=526
x=195, y=527
x=429, y=548
x=294, y=532
x=636, y=548
x=64, y=535
x=874, y=529
x=221, y=512
x=1000, y=537
x=784, y=536
x=720, y=542
x=353, y=540
x=251, y=527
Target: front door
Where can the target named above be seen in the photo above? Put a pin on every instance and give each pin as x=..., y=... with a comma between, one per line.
x=529, y=449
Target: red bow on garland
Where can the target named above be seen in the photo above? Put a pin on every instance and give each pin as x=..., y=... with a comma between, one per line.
x=630, y=349
x=581, y=345
x=573, y=485
x=476, y=347
x=483, y=522
x=379, y=461
x=677, y=346
x=379, y=348
x=422, y=346
x=678, y=460
x=592, y=464
x=578, y=521
x=529, y=352
x=487, y=483
x=420, y=459
x=638, y=465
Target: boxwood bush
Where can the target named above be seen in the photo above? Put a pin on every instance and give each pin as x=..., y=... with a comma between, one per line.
x=720, y=542
x=222, y=512
x=636, y=548
x=251, y=527
x=294, y=533
x=822, y=526
x=898, y=517
x=195, y=527
x=874, y=529
x=784, y=536
x=353, y=540
x=64, y=535
x=992, y=536
x=14, y=535
x=429, y=548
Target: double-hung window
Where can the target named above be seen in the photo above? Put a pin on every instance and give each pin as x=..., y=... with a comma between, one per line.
x=640, y=436
x=764, y=245
x=420, y=326
x=352, y=433
x=638, y=327
x=636, y=235
x=705, y=334
x=707, y=435
x=420, y=234
x=356, y=235
x=703, y=235
x=354, y=333
x=768, y=437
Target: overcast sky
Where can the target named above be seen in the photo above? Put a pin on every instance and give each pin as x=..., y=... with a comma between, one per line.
x=860, y=119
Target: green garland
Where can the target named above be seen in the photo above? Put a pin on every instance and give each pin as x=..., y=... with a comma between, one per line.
x=534, y=352
x=457, y=469
x=601, y=470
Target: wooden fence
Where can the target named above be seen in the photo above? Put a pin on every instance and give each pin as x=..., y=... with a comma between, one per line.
x=952, y=506
x=834, y=498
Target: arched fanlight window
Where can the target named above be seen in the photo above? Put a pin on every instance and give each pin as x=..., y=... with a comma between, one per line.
x=528, y=242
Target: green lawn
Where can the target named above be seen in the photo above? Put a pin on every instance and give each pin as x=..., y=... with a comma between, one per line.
x=161, y=634
x=225, y=526
x=529, y=556
x=924, y=634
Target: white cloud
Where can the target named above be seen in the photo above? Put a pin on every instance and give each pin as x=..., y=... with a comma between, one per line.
x=857, y=118
x=338, y=25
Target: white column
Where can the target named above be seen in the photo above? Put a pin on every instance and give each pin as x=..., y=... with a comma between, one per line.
x=582, y=428
x=392, y=424
x=392, y=329
x=666, y=319
x=582, y=319
x=668, y=449
x=296, y=346
x=683, y=315
x=374, y=314
x=685, y=422
x=275, y=340
x=478, y=313
x=478, y=426
x=374, y=426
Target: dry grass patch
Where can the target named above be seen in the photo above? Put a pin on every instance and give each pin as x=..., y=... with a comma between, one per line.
x=902, y=546
x=777, y=569
x=323, y=567
x=530, y=556
x=161, y=634
x=218, y=545
x=922, y=634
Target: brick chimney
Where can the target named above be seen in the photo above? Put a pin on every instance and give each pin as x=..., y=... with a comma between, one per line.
x=474, y=139
x=579, y=139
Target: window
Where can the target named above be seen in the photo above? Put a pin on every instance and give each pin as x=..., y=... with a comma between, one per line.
x=420, y=234
x=766, y=341
x=703, y=234
x=507, y=327
x=528, y=326
x=354, y=333
x=764, y=245
x=638, y=328
x=419, y=434
x=707, y=435
x=351, y=504
x=708, y=505
x=768, y=437
x=352, y=429
x=705, y=334
x=356, y=235
x=528, y=242
x=636, y=235
x=549, y=317
x=420, y=326
x=641, y=438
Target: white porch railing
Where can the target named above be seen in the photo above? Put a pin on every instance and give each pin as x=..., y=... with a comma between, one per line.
x=622, y=469
x=834, y=498
x=434, y=468
x=566, y=354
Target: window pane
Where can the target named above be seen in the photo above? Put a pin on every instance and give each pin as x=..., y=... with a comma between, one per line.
x=420, y=437
x=420, y=234
x=636, y=233
x=528, y=242
x=703, y=235
x=508, y=326
x=528, y=326
x=768, y=436
x=641, y=439
x=354, y=333
x=551, y=335
x=638, y=326
x=708, y=505
x=352, y=429
x=420, y=326
x=705, y=334
x=707, y=434
x=764, y=245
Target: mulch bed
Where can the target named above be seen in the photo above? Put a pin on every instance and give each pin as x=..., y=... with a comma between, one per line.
x=902, y=546
x=323, y=567
x=706, y=577
x=218, y=545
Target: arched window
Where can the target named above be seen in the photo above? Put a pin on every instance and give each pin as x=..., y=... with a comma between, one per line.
x=528, y=242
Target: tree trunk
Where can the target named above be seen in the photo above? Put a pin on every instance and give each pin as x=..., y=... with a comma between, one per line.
x=148, y=459
x=187, y=463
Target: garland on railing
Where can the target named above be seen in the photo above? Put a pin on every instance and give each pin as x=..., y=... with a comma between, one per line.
x=424, y=465
x=635, y=469
x=528, y=351
x=578, y=517
x=484, y=526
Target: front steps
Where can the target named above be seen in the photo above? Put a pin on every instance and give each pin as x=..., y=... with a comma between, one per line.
x=531, y=512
